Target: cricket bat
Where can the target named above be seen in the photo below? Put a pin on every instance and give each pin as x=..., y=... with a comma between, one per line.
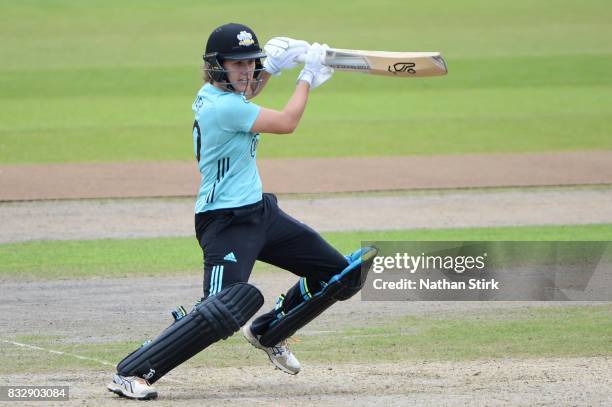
x=398, y=64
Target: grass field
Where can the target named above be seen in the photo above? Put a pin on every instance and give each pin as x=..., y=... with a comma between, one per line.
x=114, y=81
x=161, y=256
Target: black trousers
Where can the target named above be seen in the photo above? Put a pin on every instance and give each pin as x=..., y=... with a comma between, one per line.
x=232, y=239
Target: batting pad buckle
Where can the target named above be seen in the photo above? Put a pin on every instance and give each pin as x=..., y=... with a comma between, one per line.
x=178, y=313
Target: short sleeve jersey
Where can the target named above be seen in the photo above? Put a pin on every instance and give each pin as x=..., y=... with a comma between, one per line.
x=225, y=149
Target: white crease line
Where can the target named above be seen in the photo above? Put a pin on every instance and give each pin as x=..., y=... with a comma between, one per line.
x=57, y=352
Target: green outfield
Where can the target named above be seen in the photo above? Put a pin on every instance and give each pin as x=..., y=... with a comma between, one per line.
x=114, y=81
x=162, y=256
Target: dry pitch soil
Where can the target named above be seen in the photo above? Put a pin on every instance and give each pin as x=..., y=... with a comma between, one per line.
x=111, y=310
x=140, y=217
x=311, y=175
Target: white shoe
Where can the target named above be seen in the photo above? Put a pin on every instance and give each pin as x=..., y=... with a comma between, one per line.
x=132, y=387
x=279, y=355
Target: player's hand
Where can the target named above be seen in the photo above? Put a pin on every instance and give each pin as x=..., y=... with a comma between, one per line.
x=325, y=72
x=281, y=53
x=314, y=72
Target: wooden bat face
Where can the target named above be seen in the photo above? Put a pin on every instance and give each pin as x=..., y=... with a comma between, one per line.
x=399, y=64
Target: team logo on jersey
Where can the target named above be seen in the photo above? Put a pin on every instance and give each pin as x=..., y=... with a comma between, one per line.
x=254, y=142
x=245, y=38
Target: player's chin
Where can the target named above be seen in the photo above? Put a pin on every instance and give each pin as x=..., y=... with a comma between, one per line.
x=241, y=87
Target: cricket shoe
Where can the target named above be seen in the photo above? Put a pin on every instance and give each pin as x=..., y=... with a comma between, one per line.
x=132, y=387
x=279, y=355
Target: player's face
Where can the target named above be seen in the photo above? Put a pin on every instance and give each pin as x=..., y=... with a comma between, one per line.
x=240, y=73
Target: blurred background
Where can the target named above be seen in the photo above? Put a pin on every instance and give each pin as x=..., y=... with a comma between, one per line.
x=84, y=81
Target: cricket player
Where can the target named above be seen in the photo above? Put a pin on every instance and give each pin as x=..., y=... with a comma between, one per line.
x=237, y=224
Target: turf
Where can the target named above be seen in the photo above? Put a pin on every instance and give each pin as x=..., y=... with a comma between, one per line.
x=114, y=80
x=163, y=256
x=480, y=335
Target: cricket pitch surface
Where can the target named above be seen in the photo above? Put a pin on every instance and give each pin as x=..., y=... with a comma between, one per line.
x=94, y=311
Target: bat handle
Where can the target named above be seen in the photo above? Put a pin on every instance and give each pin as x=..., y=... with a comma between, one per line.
x=302, y=58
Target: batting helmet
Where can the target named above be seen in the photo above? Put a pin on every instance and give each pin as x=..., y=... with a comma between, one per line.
x=231, y=42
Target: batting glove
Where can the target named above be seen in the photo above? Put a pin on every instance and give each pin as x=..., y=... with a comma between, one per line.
x=324, y=73
x=281, y=53
x=312, y=64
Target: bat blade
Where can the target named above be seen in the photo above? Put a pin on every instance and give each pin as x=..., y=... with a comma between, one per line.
x=399, y=64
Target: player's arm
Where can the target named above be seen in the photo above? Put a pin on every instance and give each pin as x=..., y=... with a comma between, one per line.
x=286, y=120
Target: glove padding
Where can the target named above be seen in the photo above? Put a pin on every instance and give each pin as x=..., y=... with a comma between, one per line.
x=325, y=73
x=314, y=72
x=281, y=53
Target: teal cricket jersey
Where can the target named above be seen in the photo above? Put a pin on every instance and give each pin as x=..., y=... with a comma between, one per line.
x=225, y=149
